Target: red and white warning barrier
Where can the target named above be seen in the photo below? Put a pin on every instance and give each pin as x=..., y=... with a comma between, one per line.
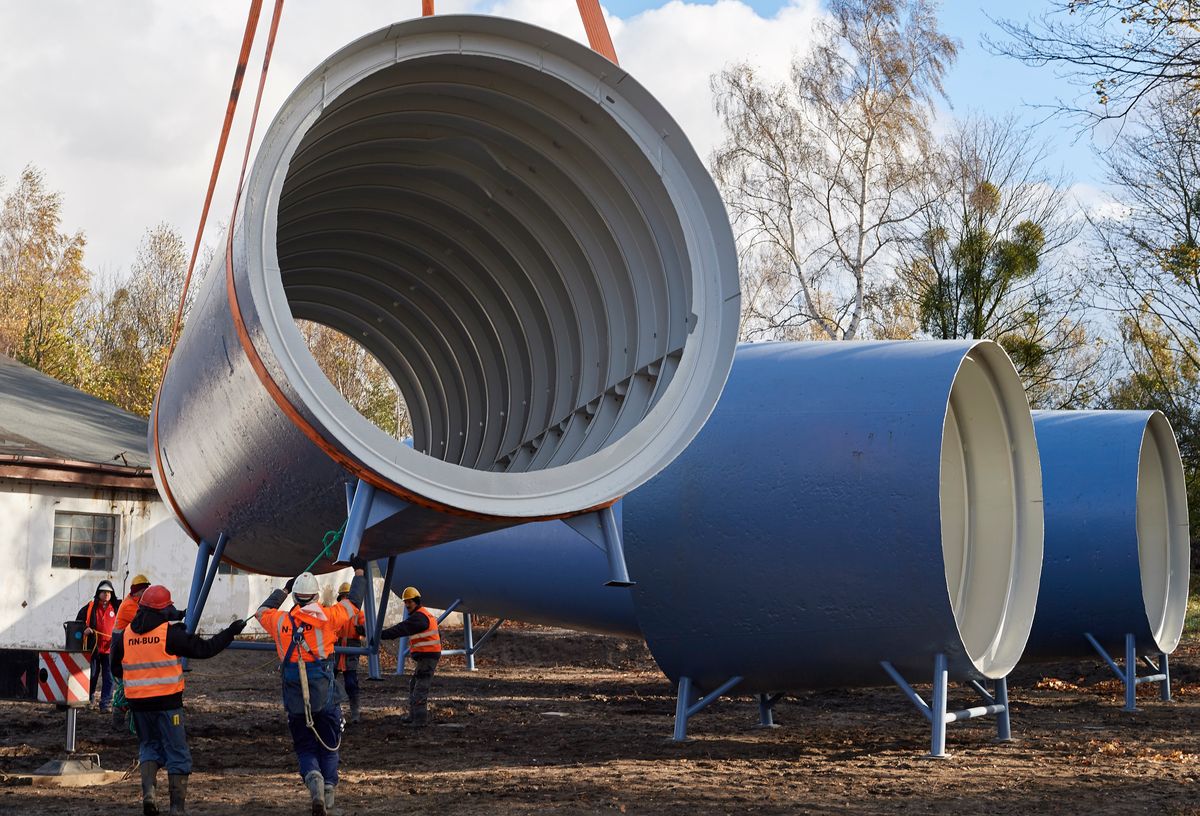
x=64, y=677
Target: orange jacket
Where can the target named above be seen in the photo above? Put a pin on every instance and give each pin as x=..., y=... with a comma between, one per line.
x=350, y=637
x=147, y=668
x=321, y=626
x=128, y=608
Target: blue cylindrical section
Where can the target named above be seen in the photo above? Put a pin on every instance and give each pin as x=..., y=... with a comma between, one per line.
x=1116, y=548
x=798, y=541
x=543, y=572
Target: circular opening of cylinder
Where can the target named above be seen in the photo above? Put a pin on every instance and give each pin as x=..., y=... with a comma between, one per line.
x=538, y=259
x=1164, y=548
x=991, y=520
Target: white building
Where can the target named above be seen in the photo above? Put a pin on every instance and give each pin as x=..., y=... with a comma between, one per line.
x=78, y=505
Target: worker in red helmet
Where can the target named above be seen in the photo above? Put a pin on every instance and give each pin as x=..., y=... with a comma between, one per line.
x=305, y=636
x=149, y=660
x=424, y=647
x=126, y=611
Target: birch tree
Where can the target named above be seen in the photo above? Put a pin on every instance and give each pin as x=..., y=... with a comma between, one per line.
x=814, y=169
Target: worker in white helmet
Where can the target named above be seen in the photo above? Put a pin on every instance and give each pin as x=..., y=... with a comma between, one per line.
x=424, y=646
x=304, y=638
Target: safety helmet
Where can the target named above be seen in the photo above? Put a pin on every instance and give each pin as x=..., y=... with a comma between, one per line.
x=139, y=580
x=344, y=589
x=156, y=597
x=410, y=594
x=305, y=586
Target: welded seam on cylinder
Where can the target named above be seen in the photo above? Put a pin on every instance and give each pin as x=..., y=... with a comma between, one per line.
x=235, y=93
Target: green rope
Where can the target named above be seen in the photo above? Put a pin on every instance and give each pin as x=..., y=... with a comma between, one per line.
x=330, y=540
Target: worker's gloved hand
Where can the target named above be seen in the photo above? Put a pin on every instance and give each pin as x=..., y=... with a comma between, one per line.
x=288, y=586
x=360, y=630
x=358, y=562
x=237, y=626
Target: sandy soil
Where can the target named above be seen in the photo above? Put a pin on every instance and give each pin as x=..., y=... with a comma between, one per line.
x=569, y=723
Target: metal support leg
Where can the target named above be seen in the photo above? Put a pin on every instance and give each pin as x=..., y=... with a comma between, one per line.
x=1003, y=723
x=72, y=714
x=1164, y=685
x=682, y=703
x=1130, y=673
x=374, y=670
x=766, y=711
x=941, y=682
x=615, y=550
x=372, y=629
x=192, y=616
x=356, y=522
x=469, y=641
x=401, y=648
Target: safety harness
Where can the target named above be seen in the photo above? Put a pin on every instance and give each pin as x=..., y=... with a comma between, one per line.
x=298, y=642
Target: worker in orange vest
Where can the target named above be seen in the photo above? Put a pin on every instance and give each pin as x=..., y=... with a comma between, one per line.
x=148, y=659
x=424, y=647
x=100, y=616
x=305, y=636
x=125, y=614
x=347, y=665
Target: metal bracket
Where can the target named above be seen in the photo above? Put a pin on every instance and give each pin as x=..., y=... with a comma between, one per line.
x=689, y=702
x=365, y=507
x=939, y=716
x=1129, y=676
x=766, y=709
x=604, y=529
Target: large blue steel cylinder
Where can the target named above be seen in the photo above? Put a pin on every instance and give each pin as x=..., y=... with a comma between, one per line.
x=846, y=504
x=1117, y=552
x=543, y=572
x=517, y=231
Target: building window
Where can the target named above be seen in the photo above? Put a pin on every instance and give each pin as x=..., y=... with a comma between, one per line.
x=86, y=541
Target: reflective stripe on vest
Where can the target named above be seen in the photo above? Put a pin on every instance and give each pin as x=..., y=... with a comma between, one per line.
x=149, y=671
x=429, y=640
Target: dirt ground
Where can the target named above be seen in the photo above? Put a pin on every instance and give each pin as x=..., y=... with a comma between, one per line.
x=569, y=723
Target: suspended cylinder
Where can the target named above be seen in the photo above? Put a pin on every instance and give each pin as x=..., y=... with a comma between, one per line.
x=847, y=503
x=517, y=231
x=1117, y=552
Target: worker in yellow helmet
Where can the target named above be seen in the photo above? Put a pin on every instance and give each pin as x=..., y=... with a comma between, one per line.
x=424, y=647
x=347, y=665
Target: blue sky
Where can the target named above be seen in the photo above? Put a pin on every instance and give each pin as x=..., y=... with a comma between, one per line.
x=127, y=133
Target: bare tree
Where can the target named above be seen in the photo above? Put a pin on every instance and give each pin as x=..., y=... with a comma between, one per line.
x=358, y=377
x=814, y=170
x=1123, y=51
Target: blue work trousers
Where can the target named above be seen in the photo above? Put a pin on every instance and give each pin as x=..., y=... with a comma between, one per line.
x=162, y=739
x=102, y=675
x=312, y=755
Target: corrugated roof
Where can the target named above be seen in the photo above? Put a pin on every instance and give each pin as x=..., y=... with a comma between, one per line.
x=41, y=417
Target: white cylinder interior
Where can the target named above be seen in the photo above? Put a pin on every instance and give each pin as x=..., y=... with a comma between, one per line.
x=521, y=235
x=991, y=520
x=1164, y=548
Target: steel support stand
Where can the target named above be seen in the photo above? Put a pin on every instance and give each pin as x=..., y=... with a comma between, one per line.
x=766, y=709
x=603, y=529
x=469, y=640
x=375, y=627
x=72, y=716
x=356, y=521
x=204, y=572
x=689, y=703
x=401, y=647
x=1129, y=675
x=369, y=624
x=938, y=714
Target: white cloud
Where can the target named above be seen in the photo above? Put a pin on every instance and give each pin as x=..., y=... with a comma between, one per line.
x=120, y=103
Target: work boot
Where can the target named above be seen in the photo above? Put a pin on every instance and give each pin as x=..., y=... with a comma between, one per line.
x=178, y=793
x=329, y=794
x=316, y=787
x=149, y=772
x=354, y=711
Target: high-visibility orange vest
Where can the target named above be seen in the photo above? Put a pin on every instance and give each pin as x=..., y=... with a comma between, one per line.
x=428, y=641
x=149, y=671
x=351, y=638
x=320, y=635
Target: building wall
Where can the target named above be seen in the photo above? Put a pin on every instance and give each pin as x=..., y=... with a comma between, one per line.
x=37, y=598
